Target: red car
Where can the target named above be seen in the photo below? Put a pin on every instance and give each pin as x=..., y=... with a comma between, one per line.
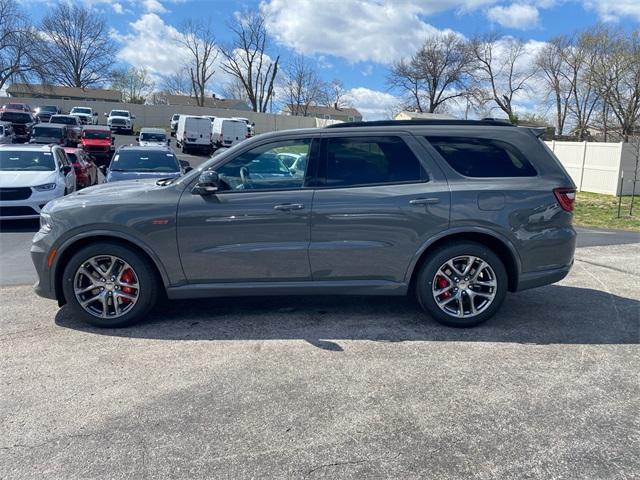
x=85, y=168
x=97, y=141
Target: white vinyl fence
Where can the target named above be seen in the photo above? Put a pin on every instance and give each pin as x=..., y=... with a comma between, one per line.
x=599, y=167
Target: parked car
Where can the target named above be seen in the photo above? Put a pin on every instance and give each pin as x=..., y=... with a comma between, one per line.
x=139, y=163
x=86, y=115
x=22, y=123
x=20, y=107
x=152, y=137
x=84, y=166
x=6, y=133
x=226, y=132
x=173, y=123
x=295, y=162
x=44, y=112
x=193, y=133
x=45, y=133
x=73, y=124
x=120, y=121
x=250, y=126
x=435, y=209
x=97, y=141
x=31, y=176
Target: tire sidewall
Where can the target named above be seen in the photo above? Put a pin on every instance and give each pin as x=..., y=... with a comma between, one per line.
x=437, y=259
x=146, y=279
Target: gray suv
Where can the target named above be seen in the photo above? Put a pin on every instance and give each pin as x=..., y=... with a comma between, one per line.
x=456, y=213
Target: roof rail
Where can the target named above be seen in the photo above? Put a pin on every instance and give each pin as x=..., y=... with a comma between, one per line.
x=408, y=123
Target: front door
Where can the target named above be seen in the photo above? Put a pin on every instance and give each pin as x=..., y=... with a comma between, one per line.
x=376, y=206
x=256, y=227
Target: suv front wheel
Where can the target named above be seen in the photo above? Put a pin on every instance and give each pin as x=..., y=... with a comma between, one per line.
x=462, y=284
x=109, y=285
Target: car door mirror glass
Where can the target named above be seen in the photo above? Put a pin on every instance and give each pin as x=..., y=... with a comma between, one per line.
x=208, y=183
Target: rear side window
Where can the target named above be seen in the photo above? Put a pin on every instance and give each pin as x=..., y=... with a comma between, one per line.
x=482, y=157
x=352, y=161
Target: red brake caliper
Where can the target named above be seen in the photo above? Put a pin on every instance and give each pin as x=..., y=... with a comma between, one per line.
x=128, y=277
x=441, y=283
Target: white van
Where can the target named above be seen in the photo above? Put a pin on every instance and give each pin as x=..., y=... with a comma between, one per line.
x=193, y=133
x=226, y=132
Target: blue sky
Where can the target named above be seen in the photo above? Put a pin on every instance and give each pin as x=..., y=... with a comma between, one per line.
x=353, y=40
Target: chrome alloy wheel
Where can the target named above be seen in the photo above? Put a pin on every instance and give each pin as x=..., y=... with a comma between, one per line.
x=106, y=286
x=464, y=286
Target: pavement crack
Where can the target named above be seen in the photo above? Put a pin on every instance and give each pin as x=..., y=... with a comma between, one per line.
x=609, y=267
x=335, y=464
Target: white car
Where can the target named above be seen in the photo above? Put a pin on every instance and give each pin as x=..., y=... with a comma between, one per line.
x=152, y=137
x=30, y=177
x=193, y=133
x=86, y=115
x=120, y=120
x=226, y=132
x=173, y=123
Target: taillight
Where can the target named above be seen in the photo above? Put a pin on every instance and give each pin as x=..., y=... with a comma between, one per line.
x=566, y=197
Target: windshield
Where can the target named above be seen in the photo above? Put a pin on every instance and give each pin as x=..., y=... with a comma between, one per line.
x=39, y=131
x=144, y=161
x=13, y=106
x=96, y=134
x=64, y=120
x=48, y=108
x=153, y=137
x=86, y=111
x=118, y=113
x=15, y=117
x=175, y=117
x=26, y=161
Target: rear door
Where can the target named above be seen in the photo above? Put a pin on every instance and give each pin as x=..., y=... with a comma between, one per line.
x=379, y=200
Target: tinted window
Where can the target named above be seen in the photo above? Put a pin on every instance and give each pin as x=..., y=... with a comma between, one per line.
x=263, y=168
x=96, y=134
x=26, y=160
x=153, y=137
x=482, y=157
x=119, y=113
x=66, y=120
x=39, y=131
x=370, y=160
x=144, y=161
x=15, y=117
x=85, y=111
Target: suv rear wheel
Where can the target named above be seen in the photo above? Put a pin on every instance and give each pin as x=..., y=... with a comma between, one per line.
x=109, y=285
x=462, y=284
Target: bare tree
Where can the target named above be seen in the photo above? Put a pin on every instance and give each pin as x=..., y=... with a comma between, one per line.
x=246, y=59
x=436, y=74
x=500, y=70
x=77, y=50
x=178, y=83
x=134, y=84
x=554, y=72
x=235, y=89
x=198, y=39
x=302, y=86
x=335, y=95
x=17, y=40
x=616, y=76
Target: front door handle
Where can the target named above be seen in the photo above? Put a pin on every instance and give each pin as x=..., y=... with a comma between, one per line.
x=424, y=201
x=289, y=206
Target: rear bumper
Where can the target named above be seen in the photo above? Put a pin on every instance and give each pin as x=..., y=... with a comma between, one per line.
x=545, y=277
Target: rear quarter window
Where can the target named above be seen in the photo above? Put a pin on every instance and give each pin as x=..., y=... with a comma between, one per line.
x=482, y=157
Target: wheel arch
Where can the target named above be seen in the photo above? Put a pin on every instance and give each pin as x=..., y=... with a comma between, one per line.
x=497, y=243
x=71, y=246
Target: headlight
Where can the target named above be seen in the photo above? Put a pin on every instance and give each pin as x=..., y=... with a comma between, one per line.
x=45, y=188
x=45, y=223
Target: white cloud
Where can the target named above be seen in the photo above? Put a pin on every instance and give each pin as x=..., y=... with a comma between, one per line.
x=517, y=15
x=357, y=30
x=372, y=104
x=153, y=6
x=117, y=7
x=614, y=10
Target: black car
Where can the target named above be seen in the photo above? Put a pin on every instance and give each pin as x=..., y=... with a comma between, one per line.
x=22, y=123
x=46, y=133
x=44, y=112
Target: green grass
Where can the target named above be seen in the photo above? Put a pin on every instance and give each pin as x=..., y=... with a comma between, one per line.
x=597, y=210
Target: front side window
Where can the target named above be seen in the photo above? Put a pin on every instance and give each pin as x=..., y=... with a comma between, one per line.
x=25, y=160
x=352, y=161
x=144, y=161
x=482, y=157
x=263, y=167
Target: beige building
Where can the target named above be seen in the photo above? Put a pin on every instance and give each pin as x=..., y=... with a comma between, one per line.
x=345, y=114
x=29, y=90
x=211, y=102
x=406, y=115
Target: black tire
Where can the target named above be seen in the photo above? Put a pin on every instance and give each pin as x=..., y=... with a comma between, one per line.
x=430, y=267
x=147, y=281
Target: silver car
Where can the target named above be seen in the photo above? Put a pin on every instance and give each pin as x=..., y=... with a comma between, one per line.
x=6, y=133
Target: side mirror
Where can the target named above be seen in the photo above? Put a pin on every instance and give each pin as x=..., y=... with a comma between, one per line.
x=208, y=183
x=133, y=117
x=105, y=114
x=95, y=114
x=187, y=169
x=137, y=139
x=66, y=169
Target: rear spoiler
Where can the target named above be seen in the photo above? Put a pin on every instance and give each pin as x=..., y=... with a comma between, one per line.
x=537, y=131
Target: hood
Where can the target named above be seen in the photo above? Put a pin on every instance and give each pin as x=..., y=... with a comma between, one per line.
x=12, y=179
x=120, y=176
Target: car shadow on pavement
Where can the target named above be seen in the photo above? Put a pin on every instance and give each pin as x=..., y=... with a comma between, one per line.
x=550, y=315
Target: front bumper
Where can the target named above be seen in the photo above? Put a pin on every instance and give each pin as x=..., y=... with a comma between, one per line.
x=44, y=287
x=29, y=208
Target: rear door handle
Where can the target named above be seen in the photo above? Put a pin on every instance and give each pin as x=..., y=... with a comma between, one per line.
x=424, y=201
x=288, y=206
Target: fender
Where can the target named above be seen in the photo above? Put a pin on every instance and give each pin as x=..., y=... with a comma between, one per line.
x=457, y=231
